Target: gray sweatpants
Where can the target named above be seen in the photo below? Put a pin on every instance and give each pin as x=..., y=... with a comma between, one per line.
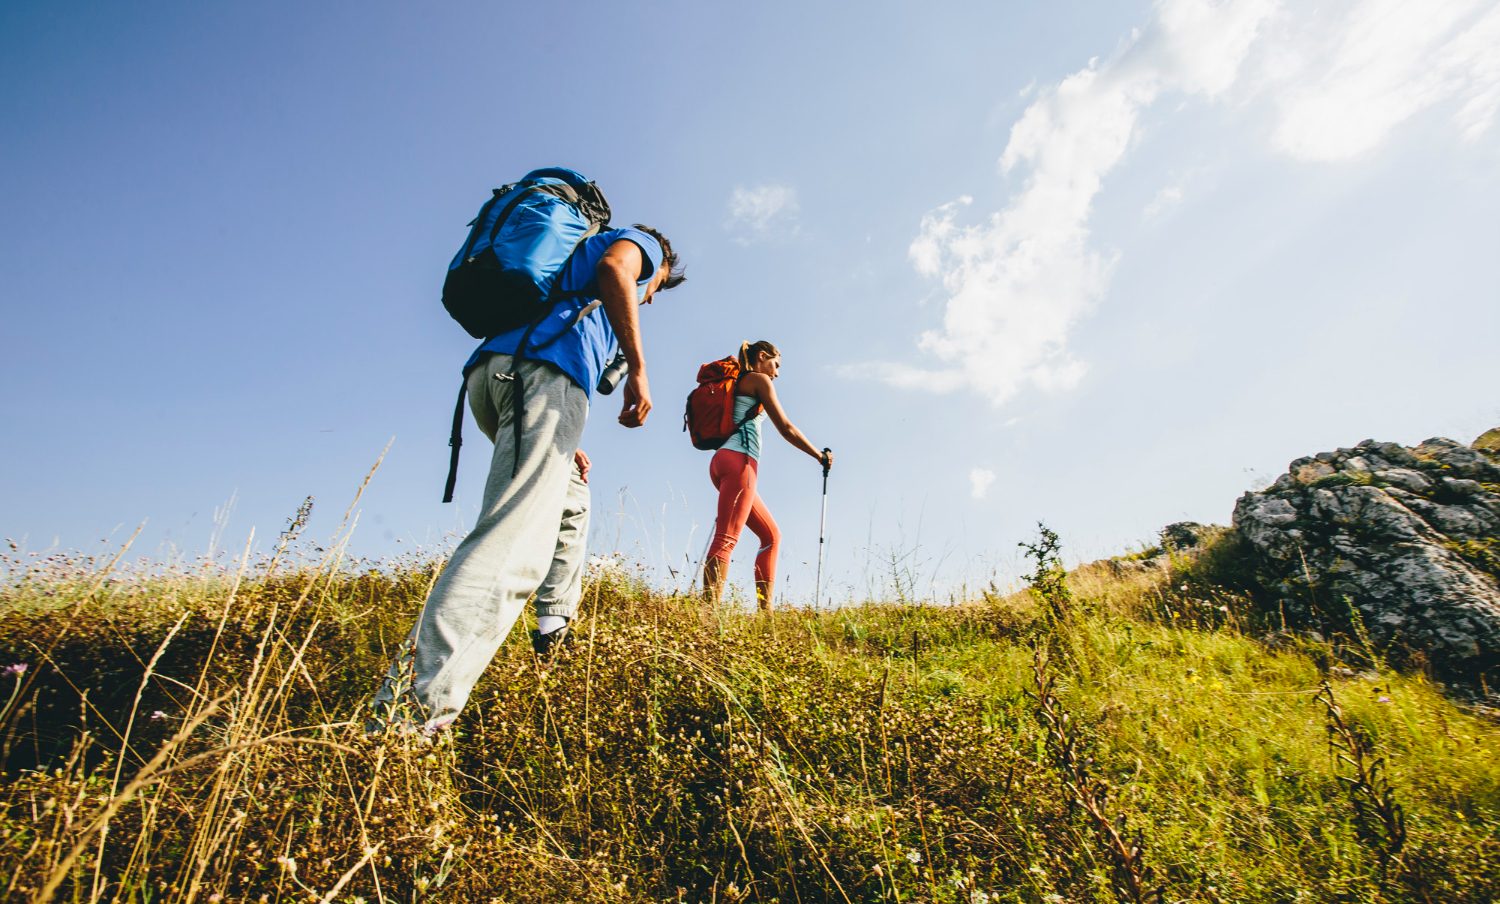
x=529, y=539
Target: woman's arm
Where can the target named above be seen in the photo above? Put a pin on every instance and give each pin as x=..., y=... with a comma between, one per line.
x=759, y=386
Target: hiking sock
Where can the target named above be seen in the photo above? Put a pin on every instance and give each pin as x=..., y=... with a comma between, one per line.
x=545, y=641
x=546, y=624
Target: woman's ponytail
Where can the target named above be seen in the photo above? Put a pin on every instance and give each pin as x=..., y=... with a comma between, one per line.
x=750, y=352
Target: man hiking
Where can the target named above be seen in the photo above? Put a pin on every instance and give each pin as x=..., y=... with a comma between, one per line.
x=529, y=525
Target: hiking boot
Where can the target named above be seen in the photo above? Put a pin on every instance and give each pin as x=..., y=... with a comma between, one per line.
x=546, y=645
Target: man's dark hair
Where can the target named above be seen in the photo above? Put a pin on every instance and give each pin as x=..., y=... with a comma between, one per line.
x=675, y=276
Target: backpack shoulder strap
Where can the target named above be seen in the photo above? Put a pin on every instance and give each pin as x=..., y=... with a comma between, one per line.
x=455, y=439
x=754, y=410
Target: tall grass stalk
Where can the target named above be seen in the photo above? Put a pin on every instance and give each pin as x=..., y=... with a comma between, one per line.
x=1380, y=820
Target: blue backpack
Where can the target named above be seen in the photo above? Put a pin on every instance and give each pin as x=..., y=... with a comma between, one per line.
x=504, y=274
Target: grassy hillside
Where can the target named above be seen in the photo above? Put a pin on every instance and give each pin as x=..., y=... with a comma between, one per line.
x=1128, y=732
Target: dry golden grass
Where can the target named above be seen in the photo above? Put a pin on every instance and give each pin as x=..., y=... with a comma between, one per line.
x=196, y=738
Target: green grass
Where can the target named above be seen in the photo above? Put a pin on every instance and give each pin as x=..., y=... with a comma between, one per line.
x=1484, y=554
x=874, y=753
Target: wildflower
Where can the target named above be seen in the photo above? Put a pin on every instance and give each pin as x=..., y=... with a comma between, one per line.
x=18, y=669
x=979, y=897
x=1383, y=699
x=913, y=858
x=158, y=716
x=877, y=870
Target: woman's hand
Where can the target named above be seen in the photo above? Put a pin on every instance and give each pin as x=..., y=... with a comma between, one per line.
x=827, y=459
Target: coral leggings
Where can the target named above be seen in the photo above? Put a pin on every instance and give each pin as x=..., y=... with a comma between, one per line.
x=734, y=475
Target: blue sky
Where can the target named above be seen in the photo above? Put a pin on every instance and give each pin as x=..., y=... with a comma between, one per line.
x=1105, y=265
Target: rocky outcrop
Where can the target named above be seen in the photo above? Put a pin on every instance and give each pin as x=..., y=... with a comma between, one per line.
x=1181, y=536
x=1408, y=537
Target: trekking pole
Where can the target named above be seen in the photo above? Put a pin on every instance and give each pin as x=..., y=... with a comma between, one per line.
x=822, y=524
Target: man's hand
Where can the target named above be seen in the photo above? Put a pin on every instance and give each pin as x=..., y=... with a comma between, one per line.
x=637, y=396
x=581, y=462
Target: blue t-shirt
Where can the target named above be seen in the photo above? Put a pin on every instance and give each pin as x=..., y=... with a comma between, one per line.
x=581, y=351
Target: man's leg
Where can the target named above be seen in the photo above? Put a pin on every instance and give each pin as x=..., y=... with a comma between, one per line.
x=502, y=561
x=562, y=588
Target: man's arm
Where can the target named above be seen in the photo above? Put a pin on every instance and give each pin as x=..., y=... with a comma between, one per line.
x=617, y=272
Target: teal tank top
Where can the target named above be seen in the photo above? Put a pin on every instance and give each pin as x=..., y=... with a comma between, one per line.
x=747, y=438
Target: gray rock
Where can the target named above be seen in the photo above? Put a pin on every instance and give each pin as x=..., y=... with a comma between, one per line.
x=1405, y=542
x=1184, y=535
x=1405, y=478
x=1461, y=487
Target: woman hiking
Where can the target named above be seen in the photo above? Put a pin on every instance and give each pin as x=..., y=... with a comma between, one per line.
x=734, y=470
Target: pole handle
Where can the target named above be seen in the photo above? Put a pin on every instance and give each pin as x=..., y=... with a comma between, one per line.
x=826, y=464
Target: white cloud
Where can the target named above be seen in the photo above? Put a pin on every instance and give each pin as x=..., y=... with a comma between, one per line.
x=979, y=482
x=903, y=376
x=762, y=211
x=1170, y=196
x=1344, y=82
x=1337, y=79
x=927, y=249
x=1020, y=280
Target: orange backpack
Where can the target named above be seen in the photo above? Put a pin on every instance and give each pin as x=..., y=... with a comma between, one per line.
x=709, y=419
